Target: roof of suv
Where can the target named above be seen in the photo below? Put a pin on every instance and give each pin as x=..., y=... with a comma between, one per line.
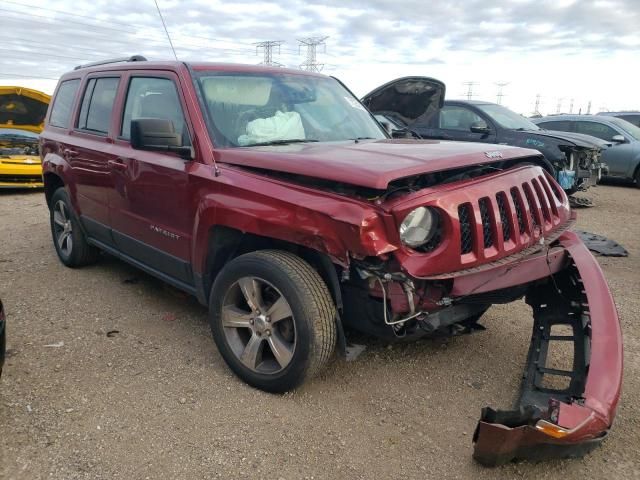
x=176, y=65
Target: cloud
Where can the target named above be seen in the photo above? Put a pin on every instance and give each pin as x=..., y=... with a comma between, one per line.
x=46, y=38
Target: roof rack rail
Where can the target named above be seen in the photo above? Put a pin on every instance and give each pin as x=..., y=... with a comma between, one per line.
x=133, y=58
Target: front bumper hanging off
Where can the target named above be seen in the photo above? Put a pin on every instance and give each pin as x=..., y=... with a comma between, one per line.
x=552, y=422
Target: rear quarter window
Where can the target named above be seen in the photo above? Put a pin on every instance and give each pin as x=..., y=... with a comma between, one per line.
x=97, y=104
x=563, y=126
x=63, y=103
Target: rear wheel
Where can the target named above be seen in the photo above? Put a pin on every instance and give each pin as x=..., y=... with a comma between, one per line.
x=273, y=319
x=68, y=239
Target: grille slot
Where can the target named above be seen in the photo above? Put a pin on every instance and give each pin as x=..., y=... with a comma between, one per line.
x=516, y=201
x=533, y=209
x=544, y=201
x=466, y=238
x=501, y=200
x=487, y=232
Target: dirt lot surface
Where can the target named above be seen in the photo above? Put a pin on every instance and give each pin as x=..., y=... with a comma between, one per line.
x=111, y=374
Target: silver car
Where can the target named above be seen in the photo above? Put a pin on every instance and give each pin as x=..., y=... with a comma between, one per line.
x=622, y=157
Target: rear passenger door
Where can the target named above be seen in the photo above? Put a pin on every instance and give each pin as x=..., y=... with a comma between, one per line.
x=152, y=215
x=89, y=154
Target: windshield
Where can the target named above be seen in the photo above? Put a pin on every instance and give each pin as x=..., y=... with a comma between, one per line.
x=507, y=118
x=629, y=128
x=277, y=108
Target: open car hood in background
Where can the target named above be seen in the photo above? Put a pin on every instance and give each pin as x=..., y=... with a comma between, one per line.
x=23, y=108
x=408, y=99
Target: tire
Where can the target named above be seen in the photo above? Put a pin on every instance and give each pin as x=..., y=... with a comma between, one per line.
x=68, y=238
x=636, y=177
x=267, y=345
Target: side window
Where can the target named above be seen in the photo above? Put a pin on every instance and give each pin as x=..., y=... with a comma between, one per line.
x=596, y=129
x=458, y=118
x=150, y=97
x=63, y=103
x=97, y=104
x=563, y=126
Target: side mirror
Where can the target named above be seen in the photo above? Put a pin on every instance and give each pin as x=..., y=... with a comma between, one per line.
x=158, y=134
x=480, y=127
x=618, y=139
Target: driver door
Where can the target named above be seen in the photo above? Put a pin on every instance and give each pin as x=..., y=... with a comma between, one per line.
x=455, y=122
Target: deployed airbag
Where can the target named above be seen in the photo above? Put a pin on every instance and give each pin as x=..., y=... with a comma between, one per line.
x=282, y=126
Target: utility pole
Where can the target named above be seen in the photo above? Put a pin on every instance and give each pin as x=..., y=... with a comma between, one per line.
x=311, y=44
x=536, y=109
x=469, y=86
x=500, y=86
x=267, y=50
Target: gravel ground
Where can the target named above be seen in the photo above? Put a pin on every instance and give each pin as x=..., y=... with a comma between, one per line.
x=112, y=374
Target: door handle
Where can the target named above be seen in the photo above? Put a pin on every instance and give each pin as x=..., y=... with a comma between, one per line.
x=68, y=152
x=117, y=165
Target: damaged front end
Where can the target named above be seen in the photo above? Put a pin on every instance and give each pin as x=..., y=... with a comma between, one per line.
x=562, y=412
x=501, y=237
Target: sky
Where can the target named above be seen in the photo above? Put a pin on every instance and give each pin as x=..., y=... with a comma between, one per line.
x=570, y=52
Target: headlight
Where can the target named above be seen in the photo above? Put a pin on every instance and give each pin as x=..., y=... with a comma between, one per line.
x=419, y=226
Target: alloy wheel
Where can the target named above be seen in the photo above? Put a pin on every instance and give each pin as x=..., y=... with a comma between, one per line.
x=258, y=325
x=63, y=228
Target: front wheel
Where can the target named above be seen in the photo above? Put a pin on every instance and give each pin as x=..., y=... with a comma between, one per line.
x=273, y=319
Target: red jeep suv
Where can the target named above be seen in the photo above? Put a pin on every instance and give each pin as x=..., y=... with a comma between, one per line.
x=277, y=199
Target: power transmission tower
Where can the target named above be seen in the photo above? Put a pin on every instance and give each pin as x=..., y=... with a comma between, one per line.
x=536, y=109
x=267, y=50
x=500, y=86
x=571, y=106
x=559, y=105
x=589, y=108
x=312, y=43
x=469, y=86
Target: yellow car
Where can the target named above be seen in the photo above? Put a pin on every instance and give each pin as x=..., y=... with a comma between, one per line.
x=22, y=112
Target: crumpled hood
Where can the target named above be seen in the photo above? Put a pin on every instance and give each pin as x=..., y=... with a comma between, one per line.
x=577, y=139
x=23, y=108
x=371, y=164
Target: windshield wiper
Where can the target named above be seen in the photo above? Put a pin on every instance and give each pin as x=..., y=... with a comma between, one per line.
x=281, y=142
x=357, y=139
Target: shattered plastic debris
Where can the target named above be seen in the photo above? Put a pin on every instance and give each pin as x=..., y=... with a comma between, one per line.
x=55, y=345
x=580, y=202
x=602, y=245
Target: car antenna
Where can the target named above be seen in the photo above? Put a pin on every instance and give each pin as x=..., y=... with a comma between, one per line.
x=164, y=25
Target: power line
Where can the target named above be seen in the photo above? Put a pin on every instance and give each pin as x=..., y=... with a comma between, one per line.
x=164, y=25
x=49, y=21
x=311, y=44
x=20, y=75
x=267, y=49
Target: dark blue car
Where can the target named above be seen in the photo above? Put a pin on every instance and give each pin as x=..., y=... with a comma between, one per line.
x=417, y=105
